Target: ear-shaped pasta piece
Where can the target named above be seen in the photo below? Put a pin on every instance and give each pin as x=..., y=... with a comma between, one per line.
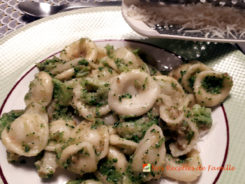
x=121, y=162
x=59, y=132
x=104, y=74
x=151, y=150
x=28, y=134
x=179, y=72
x=190, y=100
x=98, y=136
x=172, y=115
x=211, y=88
x=84, y=48
x=171, y=88
x=46, y=167
x=171, y=100
x=62, y=67
x=79, y=158
x=186, y=175
x=127, y=146
x=190, y=75
x=186, y=140
x=65, y=75
x=41, y=89
x=90, y=99
x=132, y=93
x=113, y=169
x=91, y=182
x=124, y=59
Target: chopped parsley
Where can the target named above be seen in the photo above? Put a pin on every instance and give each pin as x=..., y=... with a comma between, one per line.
x=159, y=143
x=126, y=95
x=83, y=62
x=26, y=147
x=108, y=169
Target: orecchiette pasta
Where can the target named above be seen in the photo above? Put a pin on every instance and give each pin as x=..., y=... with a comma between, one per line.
x=84, y=48
x=211, y=88
x=90, y=99
x=121, y=161
x=187, y=138
x=67, y=74
x=179, y=72
x=171, y=88
x=91, y=182
x=190, y=75
x=102, y=112
x=59, y=132
x=192, y=164
x=103, y=74
x=151, y=150
x=171, y=100
x=98, y=136
x=79, y=158
x=127, y=146
x=41, y=89
x=172, y=115
x=133, y=93
x=28, y=134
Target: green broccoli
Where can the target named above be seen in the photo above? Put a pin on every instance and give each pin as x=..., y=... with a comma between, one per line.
x=135, y=128
x=62, y=93
x=8, y=118
x=95, y=94
x=201, y=116
x=49, y=64
x=108, y=169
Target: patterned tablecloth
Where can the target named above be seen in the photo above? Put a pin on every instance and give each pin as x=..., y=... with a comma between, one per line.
x=11, y=18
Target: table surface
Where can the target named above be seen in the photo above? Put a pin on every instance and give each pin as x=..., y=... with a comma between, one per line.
x=11, y=18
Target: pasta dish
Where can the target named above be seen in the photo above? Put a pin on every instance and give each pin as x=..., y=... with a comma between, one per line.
x=105, y=115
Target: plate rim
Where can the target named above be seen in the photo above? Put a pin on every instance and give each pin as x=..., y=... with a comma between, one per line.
x=25, y=73
x=55, y=16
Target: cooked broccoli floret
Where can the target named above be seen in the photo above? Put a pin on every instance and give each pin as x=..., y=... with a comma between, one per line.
x=95, y=94
x=62, y=93
x=49, y=64
x=8, y=118
x=201, y=116
x=134, y=129
x=108, y=169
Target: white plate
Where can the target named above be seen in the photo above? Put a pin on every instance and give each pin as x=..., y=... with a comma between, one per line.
x=211, y=154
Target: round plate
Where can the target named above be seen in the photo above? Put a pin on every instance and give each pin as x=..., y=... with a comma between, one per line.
x=206, y=146
x=22, y=49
